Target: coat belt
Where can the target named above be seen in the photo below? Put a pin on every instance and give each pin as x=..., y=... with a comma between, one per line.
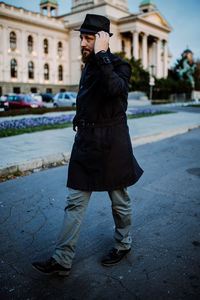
x=107, y=123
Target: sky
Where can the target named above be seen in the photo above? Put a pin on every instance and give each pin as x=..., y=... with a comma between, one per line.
x=182, y=15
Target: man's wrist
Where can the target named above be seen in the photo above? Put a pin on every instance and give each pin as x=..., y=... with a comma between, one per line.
x=102, y=58
x=101, y=51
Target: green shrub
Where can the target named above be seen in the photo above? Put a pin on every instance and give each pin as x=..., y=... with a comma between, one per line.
x=31, y=111
x=164, y=87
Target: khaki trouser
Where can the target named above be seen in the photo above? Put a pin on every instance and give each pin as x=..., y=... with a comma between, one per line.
x=77, y=202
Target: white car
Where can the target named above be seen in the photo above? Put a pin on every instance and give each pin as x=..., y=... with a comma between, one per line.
x=65, y=99
x=37, y=97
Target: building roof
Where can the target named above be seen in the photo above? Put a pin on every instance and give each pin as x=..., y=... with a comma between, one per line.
x=147, y=2
x=51, y=1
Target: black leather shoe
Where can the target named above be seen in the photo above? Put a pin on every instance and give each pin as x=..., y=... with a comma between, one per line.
x=114, y=257
x=50, y=267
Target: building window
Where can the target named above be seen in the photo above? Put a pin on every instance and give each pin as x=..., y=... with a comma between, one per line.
x=60, y=73
x=49, y=91
x=46, y=72
x=13, y=40
x=30, y=70
x=13, y=68
x=33, y=90
x=30, y=43
x=16, y=90
x=60, y=49
x=46, y=46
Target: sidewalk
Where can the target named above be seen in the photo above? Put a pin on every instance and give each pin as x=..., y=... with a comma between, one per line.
x=35, y=150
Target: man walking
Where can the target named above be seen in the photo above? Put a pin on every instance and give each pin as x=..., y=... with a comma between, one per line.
x=102, y=157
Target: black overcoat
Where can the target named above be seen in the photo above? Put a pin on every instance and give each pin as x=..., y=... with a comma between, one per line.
x=102, y=158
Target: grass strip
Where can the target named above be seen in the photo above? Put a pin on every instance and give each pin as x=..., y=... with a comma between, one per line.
x=18, y=131
x=12, y=131
x=149, y=114
x=193, y=105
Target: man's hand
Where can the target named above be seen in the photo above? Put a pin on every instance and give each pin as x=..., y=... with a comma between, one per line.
x=102, y=41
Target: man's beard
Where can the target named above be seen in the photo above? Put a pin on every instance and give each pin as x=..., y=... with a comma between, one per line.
x=87, y=58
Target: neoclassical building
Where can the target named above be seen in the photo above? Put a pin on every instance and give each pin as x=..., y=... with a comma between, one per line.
x=40, y=52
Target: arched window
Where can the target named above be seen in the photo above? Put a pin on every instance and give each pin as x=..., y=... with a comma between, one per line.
x=30, y=43
x=46, y=72
x=60, y=49
x=60, y=73
x=30, y=70
x=13, y=40
x=13, y=68
x=46, y=46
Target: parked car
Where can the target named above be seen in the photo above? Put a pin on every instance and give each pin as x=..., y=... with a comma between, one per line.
x=64, y=99
x=4, y=105
x=23, y=101
x=47, y=97
x=73, y=94
x=37, y=97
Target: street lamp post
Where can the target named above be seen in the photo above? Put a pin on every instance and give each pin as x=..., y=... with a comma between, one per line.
x=152, y=81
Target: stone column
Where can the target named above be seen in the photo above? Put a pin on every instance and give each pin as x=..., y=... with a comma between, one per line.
x=165, y=60
x=40, y=62
x=54, y=65
x=135, y=44
x=48, y=11
x=144, y=51
x=66, y=52
x=6, y=62
x=23, y=67
x=158, y=58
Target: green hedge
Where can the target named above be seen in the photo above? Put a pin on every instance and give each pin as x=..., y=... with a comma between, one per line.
x=32, y=111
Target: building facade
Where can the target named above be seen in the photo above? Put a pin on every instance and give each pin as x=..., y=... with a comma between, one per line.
x=40, y=52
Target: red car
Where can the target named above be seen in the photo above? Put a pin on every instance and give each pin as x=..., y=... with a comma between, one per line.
x=23, y=101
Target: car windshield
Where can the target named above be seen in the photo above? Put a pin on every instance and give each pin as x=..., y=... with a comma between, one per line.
x=73, y=95
x=28, y=98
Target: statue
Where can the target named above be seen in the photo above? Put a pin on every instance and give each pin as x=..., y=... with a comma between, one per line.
x=187, y=67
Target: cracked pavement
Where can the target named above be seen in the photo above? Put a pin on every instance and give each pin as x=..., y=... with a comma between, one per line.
x=165, y=259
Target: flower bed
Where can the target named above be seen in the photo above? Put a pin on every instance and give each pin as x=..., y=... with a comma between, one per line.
x=135, y=112
x=35, y=122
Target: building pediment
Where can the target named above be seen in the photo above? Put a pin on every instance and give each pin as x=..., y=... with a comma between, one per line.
x=156, y=18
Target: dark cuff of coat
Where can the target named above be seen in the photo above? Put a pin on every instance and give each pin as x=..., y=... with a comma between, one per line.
x=75, y=124
x=102, y=58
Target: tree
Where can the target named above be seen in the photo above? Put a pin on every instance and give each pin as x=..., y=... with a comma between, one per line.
x=197, y=75
x=164, y=87
x=139, y=80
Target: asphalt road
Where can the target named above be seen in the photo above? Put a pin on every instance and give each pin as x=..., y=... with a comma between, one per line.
x=165, y=258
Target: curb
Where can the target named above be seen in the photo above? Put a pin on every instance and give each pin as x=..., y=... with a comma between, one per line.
x=36, y=164
x=160, y=136
x=52, y=160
